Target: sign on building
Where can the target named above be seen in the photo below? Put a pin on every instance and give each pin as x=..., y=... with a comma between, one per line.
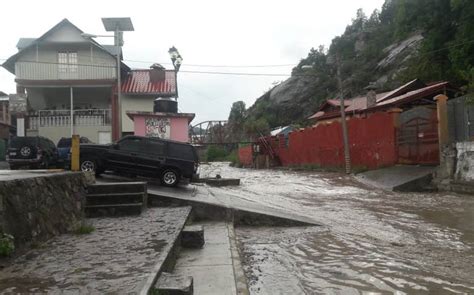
x=158, y=127
x=17, y=104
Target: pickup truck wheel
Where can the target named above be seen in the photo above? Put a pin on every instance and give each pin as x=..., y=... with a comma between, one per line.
x=169, y=177
x=88, y=165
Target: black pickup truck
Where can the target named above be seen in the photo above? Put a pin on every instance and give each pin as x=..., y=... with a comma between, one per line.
x=145, y=156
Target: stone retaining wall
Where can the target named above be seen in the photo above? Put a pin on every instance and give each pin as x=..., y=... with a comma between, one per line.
x=465, y=161
x=36, y=208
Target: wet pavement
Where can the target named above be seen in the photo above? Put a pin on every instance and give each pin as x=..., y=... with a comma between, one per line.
x=212, y=266
x=371, y=242
x=119, y=257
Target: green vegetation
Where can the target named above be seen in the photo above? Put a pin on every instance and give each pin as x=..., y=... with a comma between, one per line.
x=7, y=245
x=84, y=229
x=233, y=158
x=216, y=153
x=446, y=52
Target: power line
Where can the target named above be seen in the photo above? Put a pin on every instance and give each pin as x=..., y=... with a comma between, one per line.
x=215, y=66
x=239, y=73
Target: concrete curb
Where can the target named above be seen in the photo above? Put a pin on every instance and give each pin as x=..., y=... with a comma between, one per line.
x=167, y=264
x=239, y=275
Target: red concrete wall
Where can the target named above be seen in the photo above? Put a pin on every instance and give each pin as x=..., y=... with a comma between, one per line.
x=372, y=144
x=245, y=156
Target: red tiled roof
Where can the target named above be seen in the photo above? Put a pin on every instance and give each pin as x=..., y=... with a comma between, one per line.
x=139, y=82
x=337, y=102
x=317, y=115
x=360, y=102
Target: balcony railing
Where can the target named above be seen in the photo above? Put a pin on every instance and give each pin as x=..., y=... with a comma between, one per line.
x=55, y=71
x=62, y=118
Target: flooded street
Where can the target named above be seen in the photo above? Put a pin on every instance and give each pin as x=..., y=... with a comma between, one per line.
x=370, y=241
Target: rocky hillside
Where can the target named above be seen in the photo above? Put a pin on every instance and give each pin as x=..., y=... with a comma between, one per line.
x=428, y=39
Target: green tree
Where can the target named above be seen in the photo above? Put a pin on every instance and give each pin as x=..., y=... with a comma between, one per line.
x=236, y=122
x=237, y=113
x=257, y=127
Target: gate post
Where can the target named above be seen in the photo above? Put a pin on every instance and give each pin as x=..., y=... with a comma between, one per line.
x=442, y=111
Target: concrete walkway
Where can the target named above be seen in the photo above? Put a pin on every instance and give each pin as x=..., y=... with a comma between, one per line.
x=397, y=178
x=212, y=267
x=122, y=255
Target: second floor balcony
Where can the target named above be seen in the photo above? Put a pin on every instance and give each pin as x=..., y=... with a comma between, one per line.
x=62, y=118
x=60, y=71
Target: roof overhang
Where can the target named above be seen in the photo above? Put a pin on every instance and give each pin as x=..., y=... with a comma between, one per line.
x=133, y=114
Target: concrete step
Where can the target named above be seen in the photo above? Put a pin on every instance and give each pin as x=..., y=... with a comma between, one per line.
x=171, y=284
x=116, y=198
x=117, y=187
x=192, y=236
x=122, y=198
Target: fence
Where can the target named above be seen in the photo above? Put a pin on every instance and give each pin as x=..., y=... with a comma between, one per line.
x=245, y=156
x=461, y=118
x=372, y=144
x=62, y=118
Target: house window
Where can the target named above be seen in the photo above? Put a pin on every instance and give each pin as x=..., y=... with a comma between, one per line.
x=67, y=61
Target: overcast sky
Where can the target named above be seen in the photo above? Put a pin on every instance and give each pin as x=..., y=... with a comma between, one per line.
x=221, y=33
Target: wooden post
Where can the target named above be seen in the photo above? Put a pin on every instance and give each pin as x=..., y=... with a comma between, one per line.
x=442, y=110
x=75, y=141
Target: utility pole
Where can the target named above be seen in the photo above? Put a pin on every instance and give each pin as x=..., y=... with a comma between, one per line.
x=347, y=155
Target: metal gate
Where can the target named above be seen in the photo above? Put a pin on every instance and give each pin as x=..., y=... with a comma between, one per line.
x=417, y=137
x=461, y=119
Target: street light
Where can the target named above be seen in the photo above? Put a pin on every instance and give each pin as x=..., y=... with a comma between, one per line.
x=117, y=25
x=177, y=60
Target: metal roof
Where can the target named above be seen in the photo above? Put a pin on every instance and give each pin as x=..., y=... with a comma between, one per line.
x=24, y=42
x=404, y=94
x=138, y=82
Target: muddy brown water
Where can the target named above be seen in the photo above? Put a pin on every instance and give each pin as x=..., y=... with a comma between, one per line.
x=370, y=241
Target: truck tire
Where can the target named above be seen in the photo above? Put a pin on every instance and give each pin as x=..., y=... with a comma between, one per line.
x=170, y=177
x=88, y=164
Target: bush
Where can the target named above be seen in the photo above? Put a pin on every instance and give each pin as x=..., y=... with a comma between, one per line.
x=7, y=245
x=84, y=229
x=216, y=153
x=233, y=158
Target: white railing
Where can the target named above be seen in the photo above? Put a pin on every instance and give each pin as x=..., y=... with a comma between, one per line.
x=56, y=71
x=62, y=118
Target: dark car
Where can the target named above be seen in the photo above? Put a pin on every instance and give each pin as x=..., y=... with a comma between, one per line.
x=64, y=146
x=145, y=156
x=31, y=152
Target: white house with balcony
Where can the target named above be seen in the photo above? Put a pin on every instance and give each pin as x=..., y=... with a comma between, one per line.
x=67, y=76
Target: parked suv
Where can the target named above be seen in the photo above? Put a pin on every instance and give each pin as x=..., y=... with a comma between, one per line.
x=31, y=152
x=64, y=147
x=145, y=156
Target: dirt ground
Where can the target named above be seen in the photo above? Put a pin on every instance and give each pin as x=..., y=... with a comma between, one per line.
x=370, y=242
